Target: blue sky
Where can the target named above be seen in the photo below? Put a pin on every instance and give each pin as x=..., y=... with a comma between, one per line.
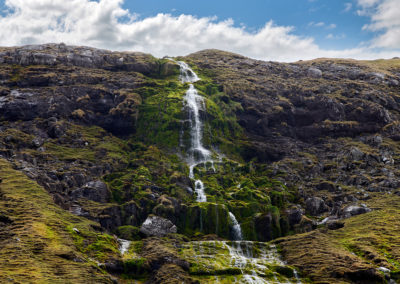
x=285, y=30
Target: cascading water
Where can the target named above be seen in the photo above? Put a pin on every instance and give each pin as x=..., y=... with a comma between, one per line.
x=198, y=154
x=123, y=246
x=251, y=259
x=247, y=262
x=236, y=230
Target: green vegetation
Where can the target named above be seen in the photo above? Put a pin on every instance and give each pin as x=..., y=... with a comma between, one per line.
x=301, y=140
x=212, y=259
x=365, y=242
x=41, y=242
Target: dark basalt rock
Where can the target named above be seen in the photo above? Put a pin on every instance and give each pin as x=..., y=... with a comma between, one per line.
x=294, y=216
x=267, y=227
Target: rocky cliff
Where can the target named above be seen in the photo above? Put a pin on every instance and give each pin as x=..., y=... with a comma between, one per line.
x=305, y=155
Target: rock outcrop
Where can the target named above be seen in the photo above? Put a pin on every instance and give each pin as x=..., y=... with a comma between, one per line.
x=157, y=226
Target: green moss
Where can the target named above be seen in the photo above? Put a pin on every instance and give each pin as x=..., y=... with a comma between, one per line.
x=136, y=267
x=160, y=115
x=277, y=198
x=104, y=246
x=285, y=270
x=44, y=235
x=206, y=218
x=213, y=258
x=363, y=243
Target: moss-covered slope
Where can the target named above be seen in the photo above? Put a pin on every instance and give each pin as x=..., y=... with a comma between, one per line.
x=39, y=240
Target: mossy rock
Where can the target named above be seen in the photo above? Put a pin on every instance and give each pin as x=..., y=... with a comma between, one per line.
x=267, y=225
x=128, y=233
x=207, y=218
x=136, y=267
x=285, y=271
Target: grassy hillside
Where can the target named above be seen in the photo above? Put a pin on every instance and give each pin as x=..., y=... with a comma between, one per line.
x=351, y=253
x=38, y=240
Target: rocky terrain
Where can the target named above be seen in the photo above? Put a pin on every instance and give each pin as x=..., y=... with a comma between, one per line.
x=93, y=148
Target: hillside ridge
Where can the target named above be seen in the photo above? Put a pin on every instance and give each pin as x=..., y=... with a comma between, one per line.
x=300, y=153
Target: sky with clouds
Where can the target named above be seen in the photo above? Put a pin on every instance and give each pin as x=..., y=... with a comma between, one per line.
x=285, y=30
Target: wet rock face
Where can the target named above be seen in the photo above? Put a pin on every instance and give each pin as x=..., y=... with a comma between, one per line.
x=157, y=226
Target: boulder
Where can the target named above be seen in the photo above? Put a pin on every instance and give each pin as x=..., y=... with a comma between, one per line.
x=356, y=154
x=353, y=210
x=314, y=72
x=334, y=224
x=326, y=185
x=56, y=130
x=38, y=141
x=315, y=206
x=294, y=216
x=157, y=226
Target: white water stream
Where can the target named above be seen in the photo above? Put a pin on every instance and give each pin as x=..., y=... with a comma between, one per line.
x=197, y=153
x=236, y=229
x=123, y=246
x=256, y=261
x=252, y=262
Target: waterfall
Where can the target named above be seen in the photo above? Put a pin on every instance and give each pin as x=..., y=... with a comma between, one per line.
x=236, y=230
x=256, y=262
x=197, y=153
x=123, y=246
x=253, y=259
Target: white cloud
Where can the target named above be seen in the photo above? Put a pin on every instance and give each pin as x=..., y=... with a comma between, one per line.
x=105, y=24
x=368, y=3
x=385, y=20
x=321, y=24
x=314, y=24
x=339, y=36
x=347, y=7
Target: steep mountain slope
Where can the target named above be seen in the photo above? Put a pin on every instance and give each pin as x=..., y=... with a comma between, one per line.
x=297, y=150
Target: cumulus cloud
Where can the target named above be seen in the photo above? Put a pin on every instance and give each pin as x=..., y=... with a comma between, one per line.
x=105, y=24
x=385, y=19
